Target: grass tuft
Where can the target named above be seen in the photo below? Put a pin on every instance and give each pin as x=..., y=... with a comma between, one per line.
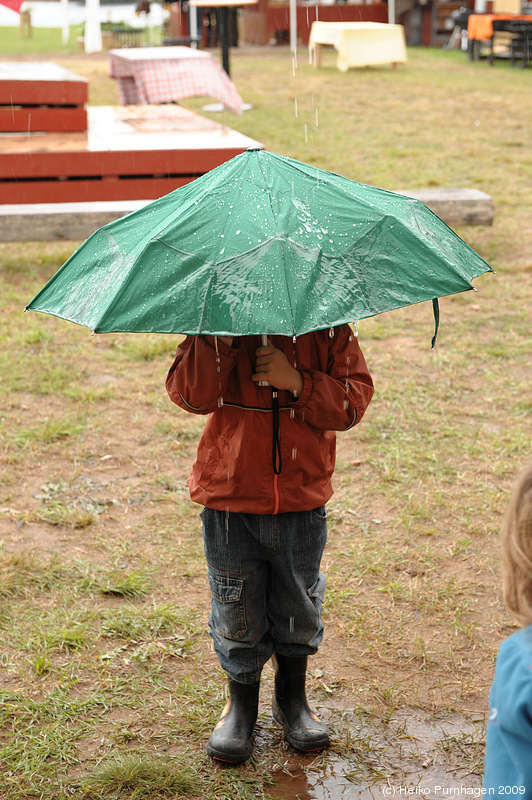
x=134, y=585
x=140, y=777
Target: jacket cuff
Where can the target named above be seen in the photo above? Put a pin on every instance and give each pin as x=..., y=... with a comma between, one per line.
x=303, y=398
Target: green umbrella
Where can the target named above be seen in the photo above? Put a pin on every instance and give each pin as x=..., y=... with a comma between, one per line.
x=263, y=244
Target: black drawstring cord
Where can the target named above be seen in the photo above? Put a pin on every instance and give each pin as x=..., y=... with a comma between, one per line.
x=436, y=310
x=277, y=462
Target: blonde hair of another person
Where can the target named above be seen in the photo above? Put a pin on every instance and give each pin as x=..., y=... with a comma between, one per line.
x=517, y=550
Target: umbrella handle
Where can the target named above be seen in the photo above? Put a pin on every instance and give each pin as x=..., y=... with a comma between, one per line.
x=264, y=343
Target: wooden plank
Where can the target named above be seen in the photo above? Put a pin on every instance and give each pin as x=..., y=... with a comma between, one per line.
x=42, y=118
x=66, y=165
x=82, y=190
x=458, y=206
x=27, y=83
x=59, y=221
x=78, y=220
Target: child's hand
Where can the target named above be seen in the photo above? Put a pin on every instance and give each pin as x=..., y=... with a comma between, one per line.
x=273, y=366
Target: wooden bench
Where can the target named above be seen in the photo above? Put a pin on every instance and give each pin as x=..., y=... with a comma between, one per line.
x=75, y=221
x=456, y=207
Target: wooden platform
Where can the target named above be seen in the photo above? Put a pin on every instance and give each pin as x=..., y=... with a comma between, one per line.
x=41, y=96
x=77, y=221
x=127, y=153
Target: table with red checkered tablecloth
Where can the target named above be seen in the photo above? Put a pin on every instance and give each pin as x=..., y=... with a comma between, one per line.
x=151, y=75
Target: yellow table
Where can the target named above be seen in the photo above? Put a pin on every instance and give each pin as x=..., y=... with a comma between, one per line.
x=359, y=44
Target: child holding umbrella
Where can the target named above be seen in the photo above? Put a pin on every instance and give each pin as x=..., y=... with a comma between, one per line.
x=263, y=474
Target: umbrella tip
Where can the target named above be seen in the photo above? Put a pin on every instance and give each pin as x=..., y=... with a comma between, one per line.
x=254, y=149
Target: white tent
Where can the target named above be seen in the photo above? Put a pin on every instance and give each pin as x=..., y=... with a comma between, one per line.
x=93, y=34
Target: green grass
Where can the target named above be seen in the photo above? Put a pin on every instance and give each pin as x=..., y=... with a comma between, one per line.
x=109, y=685
x=42, y=42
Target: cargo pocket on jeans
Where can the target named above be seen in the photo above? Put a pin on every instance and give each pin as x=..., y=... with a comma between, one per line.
x=228, y=610
x=317, y=590
x=316, y=594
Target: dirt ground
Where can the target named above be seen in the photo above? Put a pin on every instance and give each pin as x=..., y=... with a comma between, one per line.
x=99, y=539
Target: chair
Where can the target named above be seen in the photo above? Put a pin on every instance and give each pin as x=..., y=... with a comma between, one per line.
x=521, y=46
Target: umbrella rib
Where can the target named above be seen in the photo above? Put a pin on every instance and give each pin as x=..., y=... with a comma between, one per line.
x=281, y=239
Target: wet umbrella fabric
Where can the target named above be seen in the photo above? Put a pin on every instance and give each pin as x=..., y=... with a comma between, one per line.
x=262, y=244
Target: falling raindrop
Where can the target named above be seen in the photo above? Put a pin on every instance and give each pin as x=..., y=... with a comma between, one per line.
x=295, y=106
x=227, y=526
x=220, y=402
x=306, y=134
x=291, y=624
x=294, y=453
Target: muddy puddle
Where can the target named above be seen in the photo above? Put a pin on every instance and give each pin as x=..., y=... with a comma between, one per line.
x=409, y=755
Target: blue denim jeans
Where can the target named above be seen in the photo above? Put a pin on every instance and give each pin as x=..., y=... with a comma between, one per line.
x=266, y=586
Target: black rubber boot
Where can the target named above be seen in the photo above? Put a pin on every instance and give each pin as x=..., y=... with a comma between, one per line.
x=231, y=739
x=304, y=731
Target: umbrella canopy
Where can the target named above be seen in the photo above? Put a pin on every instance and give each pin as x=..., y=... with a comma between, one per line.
x=263, y=244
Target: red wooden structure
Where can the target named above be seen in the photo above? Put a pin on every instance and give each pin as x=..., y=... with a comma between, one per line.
x=41, y=97
x=118, y=153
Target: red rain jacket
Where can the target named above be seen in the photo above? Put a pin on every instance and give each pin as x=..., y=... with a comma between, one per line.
x=234, y=469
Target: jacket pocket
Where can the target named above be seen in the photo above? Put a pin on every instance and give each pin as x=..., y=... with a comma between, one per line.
x=228, y=612
x=213, y=463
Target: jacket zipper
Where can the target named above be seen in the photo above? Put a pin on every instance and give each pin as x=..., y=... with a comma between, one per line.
x=276, y=451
